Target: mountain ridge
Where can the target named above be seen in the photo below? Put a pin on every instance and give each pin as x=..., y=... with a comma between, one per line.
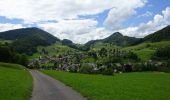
x=116, y=39
x=38, y=37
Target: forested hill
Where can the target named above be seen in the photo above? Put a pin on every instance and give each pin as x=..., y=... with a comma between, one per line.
x=26, y=33
x=26, y=40
x=115, y=39
x=120, y=40
x=163, y=34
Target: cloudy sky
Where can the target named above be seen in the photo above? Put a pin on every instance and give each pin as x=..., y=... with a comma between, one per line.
x=84, y=20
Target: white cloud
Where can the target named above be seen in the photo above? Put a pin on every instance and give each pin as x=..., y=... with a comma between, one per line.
x=45, y=10
x=80, y=31
x=71, y=26
x=146, y=14
x=61, y=17
x=8, y=26
x=158, y=22
x=122, y=10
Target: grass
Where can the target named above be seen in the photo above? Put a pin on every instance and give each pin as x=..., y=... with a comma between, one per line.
x=127, y=86
x=145, y=54
x=54, y=49
x=143, y=50
x=98, y=46
x=15, y=82
x=146, y=50
x=149, y=45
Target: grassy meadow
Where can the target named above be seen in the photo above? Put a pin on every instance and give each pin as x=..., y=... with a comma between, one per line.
x=146, y=50
x=54, y=49
x=126, y=86
x=15, y=82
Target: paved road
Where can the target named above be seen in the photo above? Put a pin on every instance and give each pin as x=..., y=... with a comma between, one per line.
x=47, y=88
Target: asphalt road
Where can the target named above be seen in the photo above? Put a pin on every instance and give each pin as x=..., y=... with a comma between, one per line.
x=47, y=88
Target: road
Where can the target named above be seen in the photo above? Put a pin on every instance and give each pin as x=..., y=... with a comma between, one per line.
x=47, y=88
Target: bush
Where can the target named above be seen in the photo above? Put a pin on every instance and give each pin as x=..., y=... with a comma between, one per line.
x=86, y=68
x=128, y=68
x=8, y=55
x=108, y=71
x=88, y=60
x=149, y=66
x=137, y=67
x=162, y=53
x=73, y=68
x=133, y=56
x=165, y=67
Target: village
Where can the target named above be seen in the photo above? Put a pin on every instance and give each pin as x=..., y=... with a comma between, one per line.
x=102, y=61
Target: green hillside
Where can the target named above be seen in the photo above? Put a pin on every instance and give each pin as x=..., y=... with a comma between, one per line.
x=52, y=50
x=26, y=40
x=115, y=39
x=146, y=50
x=163, y=34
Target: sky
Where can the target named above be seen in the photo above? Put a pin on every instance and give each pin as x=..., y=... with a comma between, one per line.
x=85, y=20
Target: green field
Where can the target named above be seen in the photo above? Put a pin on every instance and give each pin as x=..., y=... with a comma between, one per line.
x=15, y=82
x=127, y=86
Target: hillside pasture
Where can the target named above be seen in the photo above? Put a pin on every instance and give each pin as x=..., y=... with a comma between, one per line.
x=146, y=50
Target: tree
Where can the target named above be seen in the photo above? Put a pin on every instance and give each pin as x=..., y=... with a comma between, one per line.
x=8, y=55
x=24, y=60
x=93, y=54
x=36, y=65
x=128, y=68
x=5, y=54
x=133, y=56
x=162, y=53
x=103, y=52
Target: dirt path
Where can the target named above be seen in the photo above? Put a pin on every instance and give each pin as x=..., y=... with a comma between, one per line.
x=47, y=88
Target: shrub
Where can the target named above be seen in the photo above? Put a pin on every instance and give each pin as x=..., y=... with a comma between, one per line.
x=133, y=56
x=162, y=53
x=137, y=67
x=108, y=71
x=128, y=68
x=86, y=68
x=164, y=67
x=73, y=68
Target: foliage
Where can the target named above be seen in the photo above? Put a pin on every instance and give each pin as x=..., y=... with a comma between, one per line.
x=162, y=53
x=108, y=71
x=86, y=68
x=103, y=52
x=9, y=55
x=160, y=35
x=26, y=40
x=133, y=56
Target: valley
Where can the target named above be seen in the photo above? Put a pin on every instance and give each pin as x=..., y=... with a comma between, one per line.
x=84, y=50
x=117, y=67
